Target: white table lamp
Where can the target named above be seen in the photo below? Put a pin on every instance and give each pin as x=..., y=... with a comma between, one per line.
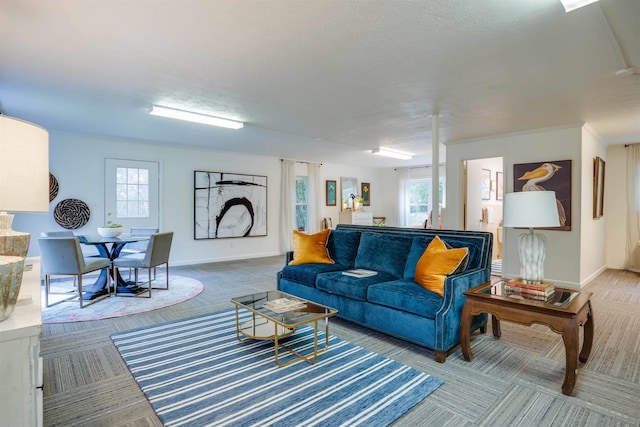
x=24, y=187
x=531, y=209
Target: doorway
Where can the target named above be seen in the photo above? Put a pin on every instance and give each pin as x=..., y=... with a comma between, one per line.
x=483, y=194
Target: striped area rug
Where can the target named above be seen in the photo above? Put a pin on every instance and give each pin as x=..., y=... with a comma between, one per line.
x=195, y=372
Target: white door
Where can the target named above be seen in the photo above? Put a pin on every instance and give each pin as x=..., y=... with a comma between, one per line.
x=132, y=193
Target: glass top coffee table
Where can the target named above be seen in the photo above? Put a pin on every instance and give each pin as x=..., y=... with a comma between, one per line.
x=564, y=312
x=267, y=324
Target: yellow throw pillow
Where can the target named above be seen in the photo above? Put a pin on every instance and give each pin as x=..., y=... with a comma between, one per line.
x=310, y=248
x=436, y=263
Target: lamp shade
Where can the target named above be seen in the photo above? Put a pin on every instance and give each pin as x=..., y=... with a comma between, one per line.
x=530, y=209
x=24, y=166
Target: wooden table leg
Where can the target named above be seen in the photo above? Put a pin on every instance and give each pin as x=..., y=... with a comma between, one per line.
x=588, y=336
x=495, y=326
x=570, y=336
x=465, y=332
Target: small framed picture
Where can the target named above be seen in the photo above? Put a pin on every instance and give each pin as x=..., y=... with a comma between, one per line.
x=365, y=189
x=486, y=184
x=331, y=192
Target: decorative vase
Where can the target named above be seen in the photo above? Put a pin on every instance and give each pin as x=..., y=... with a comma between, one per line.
x=10, y=280
x=110, y=231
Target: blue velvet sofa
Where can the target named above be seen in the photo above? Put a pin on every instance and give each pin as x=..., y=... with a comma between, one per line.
x=391, y=301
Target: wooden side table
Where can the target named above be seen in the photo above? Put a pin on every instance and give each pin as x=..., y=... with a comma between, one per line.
x=564, y=313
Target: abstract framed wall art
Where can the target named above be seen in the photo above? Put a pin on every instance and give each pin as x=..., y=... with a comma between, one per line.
x=229, y=205
x=331, y=193
x=365, y=189
x=549, y=176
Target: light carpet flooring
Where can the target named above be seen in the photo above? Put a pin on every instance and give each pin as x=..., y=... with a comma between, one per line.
x=514, y=381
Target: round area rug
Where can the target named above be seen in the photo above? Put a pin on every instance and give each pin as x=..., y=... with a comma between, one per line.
x=180, y=289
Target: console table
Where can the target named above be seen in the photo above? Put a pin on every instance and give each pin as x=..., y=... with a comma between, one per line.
x=20, y=361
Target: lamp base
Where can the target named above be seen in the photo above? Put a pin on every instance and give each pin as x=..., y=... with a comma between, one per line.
x=11, y=268
x=532, y=251
x=14, y=246
x=12, y=243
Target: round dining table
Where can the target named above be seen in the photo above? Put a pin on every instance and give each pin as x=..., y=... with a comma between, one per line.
x=110, y=247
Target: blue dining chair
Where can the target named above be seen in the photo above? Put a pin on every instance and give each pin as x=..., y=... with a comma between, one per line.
x=141, y=246
x=157, y=254
x=62, y=256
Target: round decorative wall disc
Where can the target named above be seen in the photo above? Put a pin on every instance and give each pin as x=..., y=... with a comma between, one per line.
x=71, y=213
x=53, y=187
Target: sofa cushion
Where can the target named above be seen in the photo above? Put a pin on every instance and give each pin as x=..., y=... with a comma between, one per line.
x=310, y=248
x=348, y=286
x=343, y=246
x=405, y=295
x=383, y=253
x=307, y=273
x=437, y=262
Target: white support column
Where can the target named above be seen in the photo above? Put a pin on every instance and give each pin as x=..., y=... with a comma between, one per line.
x=435, y=169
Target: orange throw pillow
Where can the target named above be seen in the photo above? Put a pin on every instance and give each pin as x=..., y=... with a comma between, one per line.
x=436, y=263
x=310, y=248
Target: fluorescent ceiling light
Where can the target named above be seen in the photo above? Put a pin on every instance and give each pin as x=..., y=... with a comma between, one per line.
x=570, y=5
x=393, y=154
x=195, y=117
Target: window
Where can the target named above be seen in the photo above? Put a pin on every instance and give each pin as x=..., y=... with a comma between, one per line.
x=302, y=183
x=418, y=202
x=132, y=192
x=419, y=192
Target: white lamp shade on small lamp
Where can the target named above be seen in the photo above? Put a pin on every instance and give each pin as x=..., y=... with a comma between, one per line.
x=24, y=187
x=24, y=166
x=531, y=209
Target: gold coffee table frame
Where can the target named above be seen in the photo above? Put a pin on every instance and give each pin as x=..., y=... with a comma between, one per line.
x=268, y=325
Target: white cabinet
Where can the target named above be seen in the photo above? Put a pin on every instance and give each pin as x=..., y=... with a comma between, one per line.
x=357, y=218
x=20, y=362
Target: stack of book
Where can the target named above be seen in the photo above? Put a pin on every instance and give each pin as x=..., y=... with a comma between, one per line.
x=532, y=291
x=282, y=305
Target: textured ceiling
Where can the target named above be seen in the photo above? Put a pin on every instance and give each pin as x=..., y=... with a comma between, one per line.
x=321, y=80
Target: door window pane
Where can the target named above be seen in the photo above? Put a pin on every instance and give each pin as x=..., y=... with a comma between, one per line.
x=132, y=192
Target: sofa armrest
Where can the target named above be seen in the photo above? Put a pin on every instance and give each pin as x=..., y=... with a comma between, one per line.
x=455, y=285
x=448, y=317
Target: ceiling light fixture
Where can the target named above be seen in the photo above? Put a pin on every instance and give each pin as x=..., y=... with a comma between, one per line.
x=570, y=5
x=194, y=117
x=393, y=154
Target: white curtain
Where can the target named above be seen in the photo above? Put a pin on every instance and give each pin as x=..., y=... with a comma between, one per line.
x=313, y=194
x=287, y=205
x=402, y=179
x=632, y=261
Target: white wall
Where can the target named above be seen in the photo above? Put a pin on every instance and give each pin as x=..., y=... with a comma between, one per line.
x=78, y=162
x=564, y=264
x=593, y=234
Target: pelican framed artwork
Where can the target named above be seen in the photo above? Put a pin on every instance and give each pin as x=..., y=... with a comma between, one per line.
x=549, y=176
